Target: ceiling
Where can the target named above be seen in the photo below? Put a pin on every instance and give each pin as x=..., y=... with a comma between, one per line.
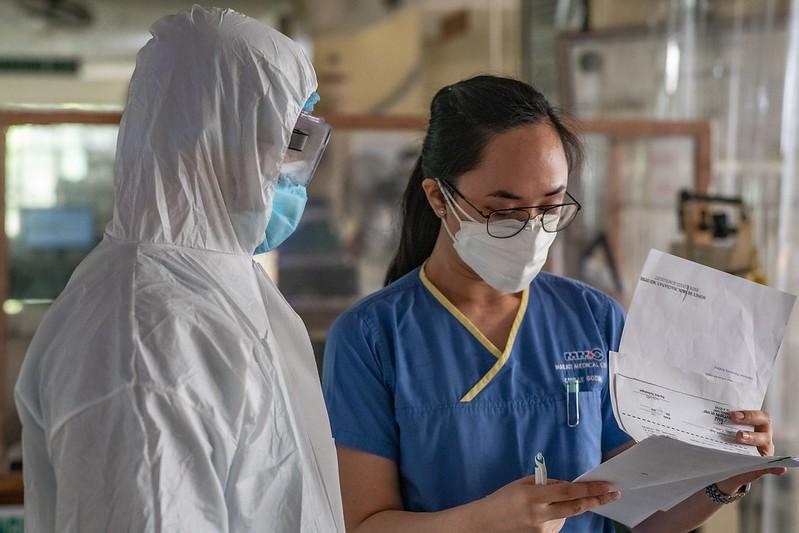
x=117, y=29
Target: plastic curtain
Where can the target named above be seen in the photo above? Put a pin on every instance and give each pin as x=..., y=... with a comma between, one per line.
x=742, y=70
x=735, y=62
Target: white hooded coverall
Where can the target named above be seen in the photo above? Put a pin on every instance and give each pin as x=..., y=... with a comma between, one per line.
x=171, y=387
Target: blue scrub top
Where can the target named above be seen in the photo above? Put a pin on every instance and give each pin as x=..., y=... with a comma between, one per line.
x=409, y=378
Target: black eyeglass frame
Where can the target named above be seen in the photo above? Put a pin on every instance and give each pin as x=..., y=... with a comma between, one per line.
x=542, y=208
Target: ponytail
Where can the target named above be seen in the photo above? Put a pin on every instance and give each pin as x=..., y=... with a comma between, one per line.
x=463, y=118
x=420, y=228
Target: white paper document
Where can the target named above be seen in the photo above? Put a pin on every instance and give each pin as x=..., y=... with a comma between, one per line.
x=647, y=409
x=697, y=344
x=660, y=472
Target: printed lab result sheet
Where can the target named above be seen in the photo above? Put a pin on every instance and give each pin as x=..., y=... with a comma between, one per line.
x=697, y=344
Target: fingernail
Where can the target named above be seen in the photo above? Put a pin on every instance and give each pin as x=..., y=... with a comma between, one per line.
x=745, y=436
x=737, y=415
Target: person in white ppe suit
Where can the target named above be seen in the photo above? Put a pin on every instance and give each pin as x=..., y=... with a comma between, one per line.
x=171, y=387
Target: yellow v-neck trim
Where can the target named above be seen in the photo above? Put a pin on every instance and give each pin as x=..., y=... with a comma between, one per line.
x=501, y=356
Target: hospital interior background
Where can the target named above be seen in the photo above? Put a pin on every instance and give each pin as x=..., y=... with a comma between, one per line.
x=689, y=110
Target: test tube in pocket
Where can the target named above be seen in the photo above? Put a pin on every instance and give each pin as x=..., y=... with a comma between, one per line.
x=572, y=402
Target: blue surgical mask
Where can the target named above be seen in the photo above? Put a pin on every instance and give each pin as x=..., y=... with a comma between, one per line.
x=288, y=204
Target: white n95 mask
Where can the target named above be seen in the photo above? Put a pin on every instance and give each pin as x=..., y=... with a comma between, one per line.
x=508, y=265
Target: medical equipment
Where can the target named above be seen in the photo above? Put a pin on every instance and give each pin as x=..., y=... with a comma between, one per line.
x=718, y=233
x=572, y=402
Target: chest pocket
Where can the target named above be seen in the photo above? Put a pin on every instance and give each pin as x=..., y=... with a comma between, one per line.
x=569, y=449
x=551, y=408
x=484, y=444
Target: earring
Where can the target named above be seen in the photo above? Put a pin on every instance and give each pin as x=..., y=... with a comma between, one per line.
x=442, y=213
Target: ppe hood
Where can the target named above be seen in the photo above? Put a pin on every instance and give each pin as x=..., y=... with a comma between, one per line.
x=210, y=112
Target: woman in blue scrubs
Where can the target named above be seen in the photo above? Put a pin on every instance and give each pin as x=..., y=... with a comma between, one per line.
x=442, y=387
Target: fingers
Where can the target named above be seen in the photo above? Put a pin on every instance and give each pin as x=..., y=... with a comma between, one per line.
x=763, y=441
x=562, y=492
x=754, y=438
x=778, y=471
x=530, y=480
x=762, y=437
x=729, y=486
x=579, y=506
x=760, y=473
x=760, y=419
x=772, y=471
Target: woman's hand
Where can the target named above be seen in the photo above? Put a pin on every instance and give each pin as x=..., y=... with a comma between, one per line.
x=525, y=506
x=762, y=437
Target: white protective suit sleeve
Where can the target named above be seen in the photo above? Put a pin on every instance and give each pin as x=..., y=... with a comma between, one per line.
x=170, y=387
x=141, y=499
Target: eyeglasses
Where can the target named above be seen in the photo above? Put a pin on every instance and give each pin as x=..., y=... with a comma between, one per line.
x=506, y=223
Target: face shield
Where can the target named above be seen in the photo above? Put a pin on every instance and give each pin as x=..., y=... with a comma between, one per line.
x=308, y=142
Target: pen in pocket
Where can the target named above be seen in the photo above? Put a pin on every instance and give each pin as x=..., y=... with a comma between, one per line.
x=540, y=469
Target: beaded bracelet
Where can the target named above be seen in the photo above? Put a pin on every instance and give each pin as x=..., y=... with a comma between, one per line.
x=714, y=493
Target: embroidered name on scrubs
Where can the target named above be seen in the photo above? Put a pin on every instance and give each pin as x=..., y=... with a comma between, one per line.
x=586, y=366
x=501, y=356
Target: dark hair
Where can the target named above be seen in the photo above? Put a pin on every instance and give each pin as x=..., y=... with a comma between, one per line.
x=463, y=118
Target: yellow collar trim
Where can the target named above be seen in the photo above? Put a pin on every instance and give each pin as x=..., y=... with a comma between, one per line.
x=501, y=356
x=459, y=316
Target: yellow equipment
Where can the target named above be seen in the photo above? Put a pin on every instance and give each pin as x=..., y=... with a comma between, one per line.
x=718, y=233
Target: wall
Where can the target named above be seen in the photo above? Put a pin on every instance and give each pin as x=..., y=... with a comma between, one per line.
x=397, y=64
x=372, y=65
x=448, y=60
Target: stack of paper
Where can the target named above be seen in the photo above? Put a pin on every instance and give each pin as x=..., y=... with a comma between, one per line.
x=697, y=344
